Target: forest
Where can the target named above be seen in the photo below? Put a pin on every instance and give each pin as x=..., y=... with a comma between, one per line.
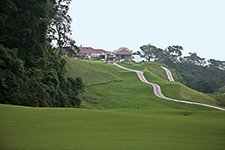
x=203, y=75
x=31, y=72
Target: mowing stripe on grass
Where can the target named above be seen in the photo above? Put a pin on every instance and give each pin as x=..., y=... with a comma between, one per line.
x=157, y=89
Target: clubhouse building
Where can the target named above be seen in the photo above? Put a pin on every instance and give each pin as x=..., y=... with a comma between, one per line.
x=121, y=53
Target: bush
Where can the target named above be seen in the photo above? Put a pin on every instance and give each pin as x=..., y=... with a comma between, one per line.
x=220, y=98
x=222, y=90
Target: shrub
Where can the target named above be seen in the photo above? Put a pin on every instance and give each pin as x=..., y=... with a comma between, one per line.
x=220, y=98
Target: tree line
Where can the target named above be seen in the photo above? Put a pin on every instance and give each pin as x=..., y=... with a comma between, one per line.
x=203, y=75
x=31, y=72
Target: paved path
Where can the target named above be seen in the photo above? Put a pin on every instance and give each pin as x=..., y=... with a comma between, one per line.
x=169, y=74
x=157, y=89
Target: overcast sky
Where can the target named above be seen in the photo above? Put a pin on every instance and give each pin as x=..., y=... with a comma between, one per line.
x=197, y=25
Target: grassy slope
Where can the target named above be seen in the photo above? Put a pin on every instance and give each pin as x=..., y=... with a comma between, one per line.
x=131, y=91
x=127, y=93
x=95, y=72
x=158, y=124
x=175, y=89
x=55, y=128
x=154, y=73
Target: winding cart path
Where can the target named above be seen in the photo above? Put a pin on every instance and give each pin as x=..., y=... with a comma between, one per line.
x=157, y=89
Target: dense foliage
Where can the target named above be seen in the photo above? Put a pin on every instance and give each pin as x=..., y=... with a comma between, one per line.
x=196, y=73
x=59, y=28
x=31, y=73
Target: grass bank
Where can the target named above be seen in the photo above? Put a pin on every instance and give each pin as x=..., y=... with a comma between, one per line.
x=131, y=91
x=154, y=73
x=92, y=72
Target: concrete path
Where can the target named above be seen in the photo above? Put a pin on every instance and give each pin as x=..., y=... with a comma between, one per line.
x=157, y=89
x=169, y=74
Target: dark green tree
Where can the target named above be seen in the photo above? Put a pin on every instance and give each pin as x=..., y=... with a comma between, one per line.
x=31, y=73
x=24, y=27
x=12, y=74
x=192, y=69
x=194, y=58
x=173, y=53
x=59, y=28
x=216, y=64
x=148, y=52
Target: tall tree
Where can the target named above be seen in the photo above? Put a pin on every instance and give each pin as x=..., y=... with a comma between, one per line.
x=192, y=68
x=194, y=58
x=148, y=51
x=213, y=63
x=174, y=52
x=24, y=26
x=59, y=28
x=31, y=73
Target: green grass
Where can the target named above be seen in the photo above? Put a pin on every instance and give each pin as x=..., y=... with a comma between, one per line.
x=92, y=72
x=130, y=92
x=113, y=122
x=155, y=70
x=175, y=89
x=132, y=65
x=153, y=73
x=55, y=128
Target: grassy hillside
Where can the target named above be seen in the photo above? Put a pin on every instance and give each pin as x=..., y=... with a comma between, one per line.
x=175, y=89
x=92, y=72
x=158, y=124
x=154, y=73
x=130, y=91
x=127, y=129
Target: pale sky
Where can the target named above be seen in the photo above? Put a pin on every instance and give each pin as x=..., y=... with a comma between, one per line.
x=197, y=25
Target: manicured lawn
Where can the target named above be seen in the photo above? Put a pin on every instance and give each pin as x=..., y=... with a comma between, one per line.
x=131, y=91
x=113, y=129
x=92, y=72
x=132, y=65
x=114, y=122
x=154, y=73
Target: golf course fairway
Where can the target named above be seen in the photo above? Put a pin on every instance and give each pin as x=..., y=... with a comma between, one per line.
x=113, y=129
x=114, y=122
